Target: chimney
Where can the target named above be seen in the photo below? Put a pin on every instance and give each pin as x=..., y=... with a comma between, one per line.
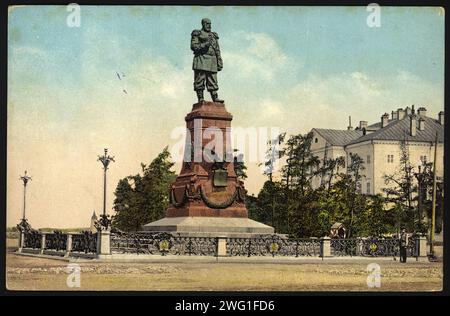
x=408, y=110
x=441, y=117
x=400, y=114
x=422, y=111
x=349, y=128
x=412, y=126
x=412, y=109
x=384, y=120
x=421, y=124
x=362, y=125
x=394, y=115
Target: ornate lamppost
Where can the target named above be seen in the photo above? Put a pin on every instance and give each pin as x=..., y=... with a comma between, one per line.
x=23, y=227
x=105, y=160
x=25, y=178
x=433, y=206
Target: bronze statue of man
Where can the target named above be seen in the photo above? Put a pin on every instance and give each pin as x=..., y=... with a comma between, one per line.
x=207, y=60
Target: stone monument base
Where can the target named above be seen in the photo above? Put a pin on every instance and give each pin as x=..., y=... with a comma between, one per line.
x=209, y=227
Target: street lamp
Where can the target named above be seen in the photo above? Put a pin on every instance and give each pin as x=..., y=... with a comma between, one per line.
x=433, y=206
x=25, y=180
x=420, y=176
x=105, y=160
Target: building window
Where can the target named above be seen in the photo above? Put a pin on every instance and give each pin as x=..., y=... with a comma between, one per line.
x=390, y=158
x=368, y=188
x=368, y=159
x=316, y=140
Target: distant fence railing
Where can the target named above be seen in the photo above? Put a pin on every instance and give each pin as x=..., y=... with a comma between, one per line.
x=274, y=245
x=32, y=240
x=57, y=241
x=372, y=247
x=85, y=242
x=264, y=245
x=163, y=244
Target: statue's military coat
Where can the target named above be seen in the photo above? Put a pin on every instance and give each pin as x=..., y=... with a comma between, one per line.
x=206, y=58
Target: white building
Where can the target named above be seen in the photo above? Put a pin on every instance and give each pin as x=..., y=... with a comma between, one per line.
x=379, y=145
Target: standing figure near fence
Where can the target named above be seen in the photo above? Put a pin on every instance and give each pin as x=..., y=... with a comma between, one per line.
x=403, y=245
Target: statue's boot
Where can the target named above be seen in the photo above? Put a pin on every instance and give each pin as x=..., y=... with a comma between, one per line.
x=215, y=97
x=200, y=96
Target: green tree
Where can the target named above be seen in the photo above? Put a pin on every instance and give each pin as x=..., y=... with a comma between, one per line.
x=353, y=180
x=270, y=205
x=239, y=167
x=301, y=164
x=330, y=169
x=143, y=198
x=376, y=220
x=399, y=191
x=273, y=154
x=332, y=206
x=300, y=167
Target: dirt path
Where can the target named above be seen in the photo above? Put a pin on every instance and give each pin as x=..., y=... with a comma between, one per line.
x=28, y=273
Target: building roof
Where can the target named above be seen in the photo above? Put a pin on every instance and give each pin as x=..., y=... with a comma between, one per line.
x=377, y=125
x=399, y=130
x=338, y=137
x=337, y=225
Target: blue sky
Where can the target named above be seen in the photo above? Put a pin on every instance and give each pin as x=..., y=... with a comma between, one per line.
x=289, y=67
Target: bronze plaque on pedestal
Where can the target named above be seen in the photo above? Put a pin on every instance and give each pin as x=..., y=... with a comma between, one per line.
x=220, y=178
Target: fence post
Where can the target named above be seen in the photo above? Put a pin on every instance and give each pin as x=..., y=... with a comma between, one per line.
x=222, y=246
x=360, y=246
x=422, y=246
x=326, y=247
x=103, y=243
x=42, y=243
x=68, y=245
x=21, y=241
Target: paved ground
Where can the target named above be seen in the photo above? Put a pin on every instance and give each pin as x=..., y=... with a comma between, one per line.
x=30, y=273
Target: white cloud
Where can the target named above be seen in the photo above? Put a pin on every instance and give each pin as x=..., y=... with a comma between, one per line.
x=254, y=55
x=327, y=102
x=270, y=108
x=264, y=47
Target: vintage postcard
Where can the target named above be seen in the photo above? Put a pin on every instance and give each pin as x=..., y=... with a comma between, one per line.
x=225, y=148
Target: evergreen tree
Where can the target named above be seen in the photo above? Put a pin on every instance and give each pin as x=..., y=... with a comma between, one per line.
x=239, y=167
x=143, y=198
x=353, y=179
x=376, y=220
x=400, y=189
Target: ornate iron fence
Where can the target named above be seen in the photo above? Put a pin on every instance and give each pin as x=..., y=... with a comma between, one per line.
x=264, y=245
x=55, y=241
x=372, y=247
x=273, y=245
x=32, y=239
x=344, y=247
x=85, y=242
x=163, y=244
